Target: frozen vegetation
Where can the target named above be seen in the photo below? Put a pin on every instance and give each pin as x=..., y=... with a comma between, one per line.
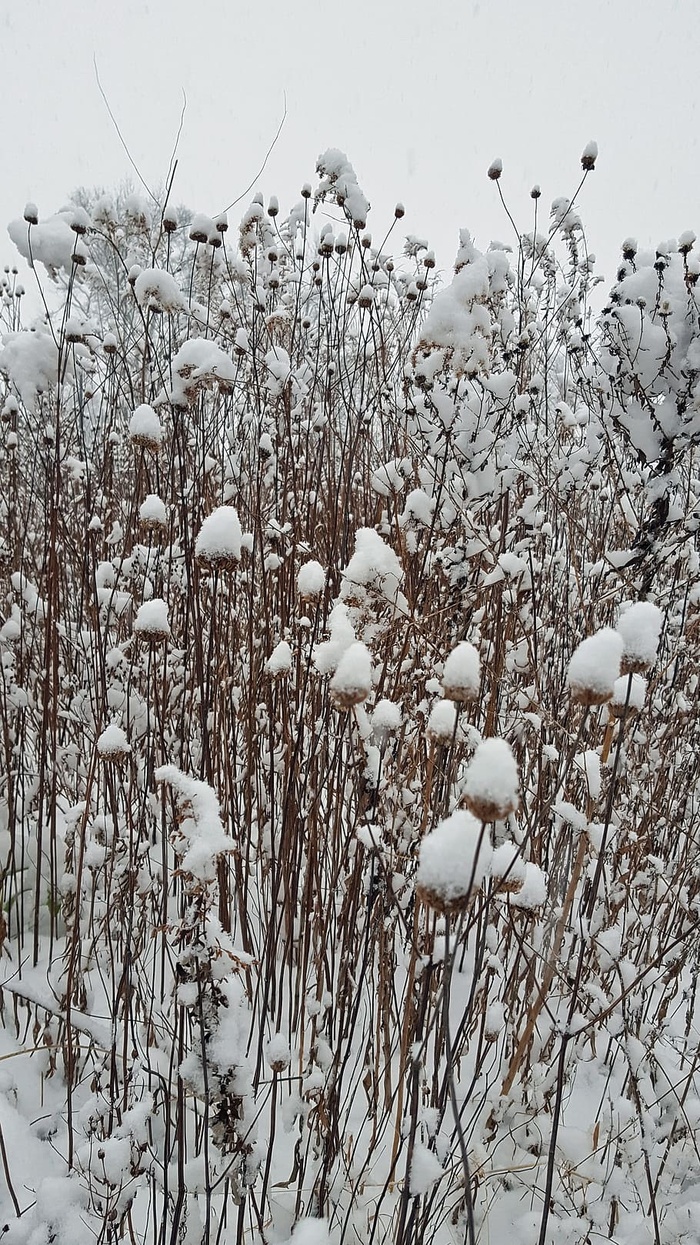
x=349, y=788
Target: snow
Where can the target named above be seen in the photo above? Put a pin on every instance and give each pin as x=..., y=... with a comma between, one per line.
x=453, y=859
x=630, y=690
x=200, y=837
x=49, y=243
x=328, y=653
x=533, y=892
x=640, y=627
x=152, y=619
x=153, y=511
x=386, y=719
x=507, y=866
x=588, y=763
x=442, y=721
x=352, y=681
x=145, y=426
x=461, y=677
x=280, y=660
x=157, y=290
x=277, y=1052
x=373, y=565
x=491, y=785
x=200, y=364
x=30, y=362
x=113, y=742
x=419, y=508
x=589, y=155
x=594, y=667
x=390, y=478
x=220, y=537
x=310, y=1232
x=339, y=179
x=311, y=580
x=426, y=1170
x=279, y=367
x=458, y=321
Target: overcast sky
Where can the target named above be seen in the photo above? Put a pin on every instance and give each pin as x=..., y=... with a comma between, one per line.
x=421, y=96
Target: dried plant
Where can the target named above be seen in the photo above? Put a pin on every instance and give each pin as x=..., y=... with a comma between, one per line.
x=302, y=555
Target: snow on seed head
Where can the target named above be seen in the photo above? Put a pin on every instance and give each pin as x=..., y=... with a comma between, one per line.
x=589, y=156
x=533, y=892
x=153, y=514
x=629, y=693
x=112, y=744
x=461, y=677
x=453, y=860
x=594, y=667
x=151, y=623
x=277, y=1053
x=311, y=581
x=218, y=545
x=640, y=627
x=352, y=681
x=507, y=869
x=492, y=781
x=386, y=719
x=441, y=723
x=279, y=663
x=145, y=428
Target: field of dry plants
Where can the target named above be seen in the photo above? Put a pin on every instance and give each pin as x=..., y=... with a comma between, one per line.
x=338, y=902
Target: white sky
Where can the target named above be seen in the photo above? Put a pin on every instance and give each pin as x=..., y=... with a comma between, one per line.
x=421, y=96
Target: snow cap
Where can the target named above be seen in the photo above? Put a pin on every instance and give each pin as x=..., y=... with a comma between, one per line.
x=461, y=677
x=492, y=781
x=218, y=544
x=595, y=666
x=453, y=861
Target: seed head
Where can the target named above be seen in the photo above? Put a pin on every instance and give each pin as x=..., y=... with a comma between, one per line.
x=589, y=157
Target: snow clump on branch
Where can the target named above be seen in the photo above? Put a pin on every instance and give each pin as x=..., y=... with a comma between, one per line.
x=338, y=178
x=200, y=837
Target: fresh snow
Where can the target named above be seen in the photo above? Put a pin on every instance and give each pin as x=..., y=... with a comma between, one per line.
x=595, y=665
x=461, y=676
x=311, y=580
x=145, y=425
x=492, y=783
x=352, y=681
x=640, y=627
x=220, y=536
x=454, y=858
x=152, y=618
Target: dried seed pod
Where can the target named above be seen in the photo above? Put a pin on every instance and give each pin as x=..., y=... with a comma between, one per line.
x=492, y=780
x=461, y=677
x=218, y=545
x=151, y=622
x=352, y=681
x=594, y=667
x=113, y=745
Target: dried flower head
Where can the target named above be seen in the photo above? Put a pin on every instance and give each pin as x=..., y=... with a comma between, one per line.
x=589, y=156
x=491, y=788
